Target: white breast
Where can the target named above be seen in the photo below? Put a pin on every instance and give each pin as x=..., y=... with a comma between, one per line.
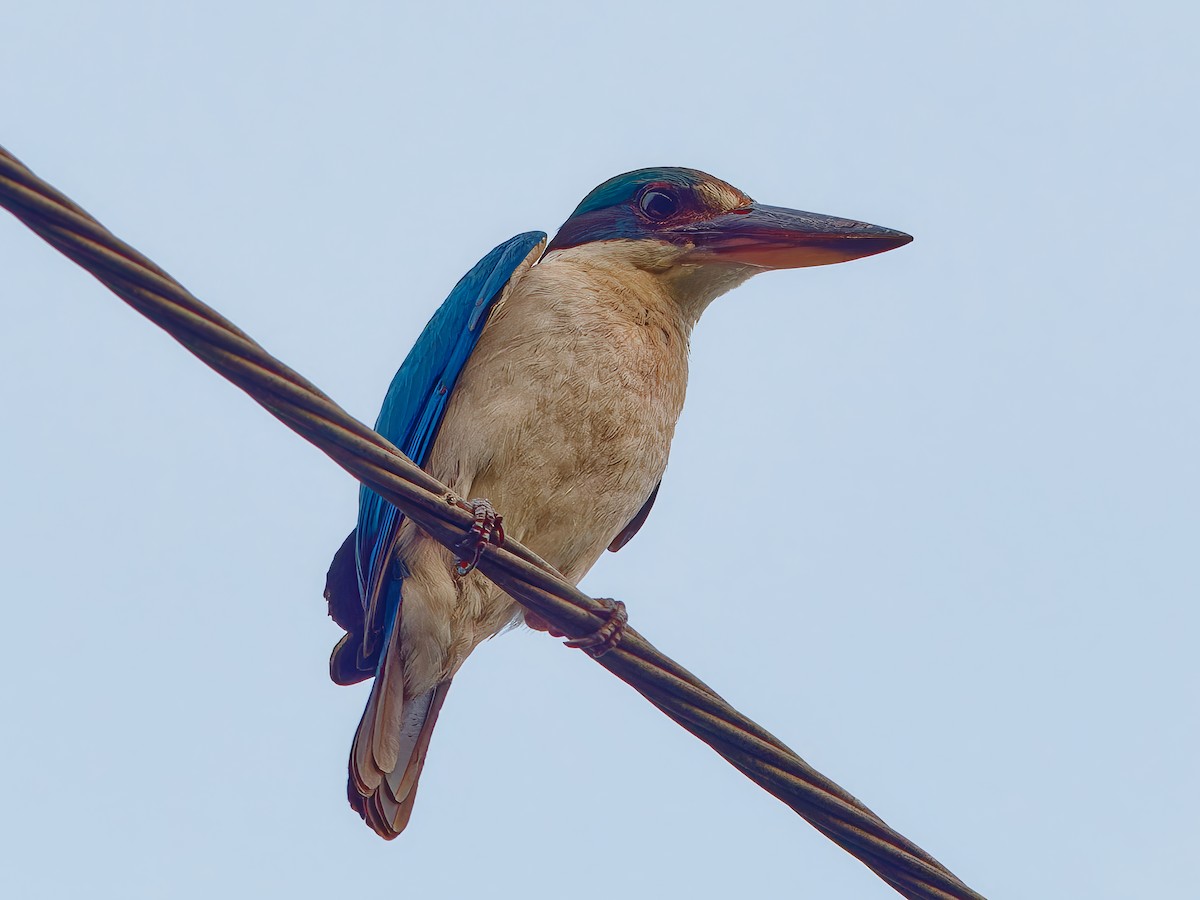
x=564, y=415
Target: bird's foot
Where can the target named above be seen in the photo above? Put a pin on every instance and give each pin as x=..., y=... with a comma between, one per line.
x=488, y=528
x=607, y=635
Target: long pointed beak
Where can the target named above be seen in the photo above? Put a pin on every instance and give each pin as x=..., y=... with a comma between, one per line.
x=772, y=237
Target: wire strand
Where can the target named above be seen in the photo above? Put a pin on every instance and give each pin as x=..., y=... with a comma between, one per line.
x=371, y=459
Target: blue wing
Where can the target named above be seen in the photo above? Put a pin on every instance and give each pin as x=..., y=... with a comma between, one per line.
x=411, y=415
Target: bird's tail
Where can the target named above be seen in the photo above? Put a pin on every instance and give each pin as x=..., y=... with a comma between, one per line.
x=389, y=749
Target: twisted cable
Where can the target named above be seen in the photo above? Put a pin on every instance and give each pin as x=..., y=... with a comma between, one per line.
x=371, y=459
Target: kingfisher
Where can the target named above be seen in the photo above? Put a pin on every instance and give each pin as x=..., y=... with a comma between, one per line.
x=549, y=382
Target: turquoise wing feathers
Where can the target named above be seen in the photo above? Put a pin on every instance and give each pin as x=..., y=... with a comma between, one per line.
x=410, y=417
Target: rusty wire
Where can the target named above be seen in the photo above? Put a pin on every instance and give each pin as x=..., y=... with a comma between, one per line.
x=535, y=584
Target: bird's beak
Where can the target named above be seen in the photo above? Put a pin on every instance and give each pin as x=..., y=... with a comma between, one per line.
x=771, y=237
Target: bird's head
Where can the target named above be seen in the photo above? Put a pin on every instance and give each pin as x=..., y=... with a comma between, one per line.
x=704, y=235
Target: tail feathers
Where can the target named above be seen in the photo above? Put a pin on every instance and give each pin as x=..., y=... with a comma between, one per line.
x=377, y=744
x=389, y=753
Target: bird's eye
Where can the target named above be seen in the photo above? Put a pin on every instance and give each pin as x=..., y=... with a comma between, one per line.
x=658, y=204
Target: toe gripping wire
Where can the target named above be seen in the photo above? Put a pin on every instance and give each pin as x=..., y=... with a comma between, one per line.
x=598, y=627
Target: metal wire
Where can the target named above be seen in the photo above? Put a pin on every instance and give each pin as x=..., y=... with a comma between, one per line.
x=534, y=583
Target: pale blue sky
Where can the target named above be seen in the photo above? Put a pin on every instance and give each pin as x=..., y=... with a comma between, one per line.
x=931, y=517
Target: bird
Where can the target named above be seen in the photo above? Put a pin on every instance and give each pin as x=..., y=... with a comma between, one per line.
x=549, y=383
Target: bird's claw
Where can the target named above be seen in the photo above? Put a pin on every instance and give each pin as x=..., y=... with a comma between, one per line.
x=607, y=635
x=488, y=528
